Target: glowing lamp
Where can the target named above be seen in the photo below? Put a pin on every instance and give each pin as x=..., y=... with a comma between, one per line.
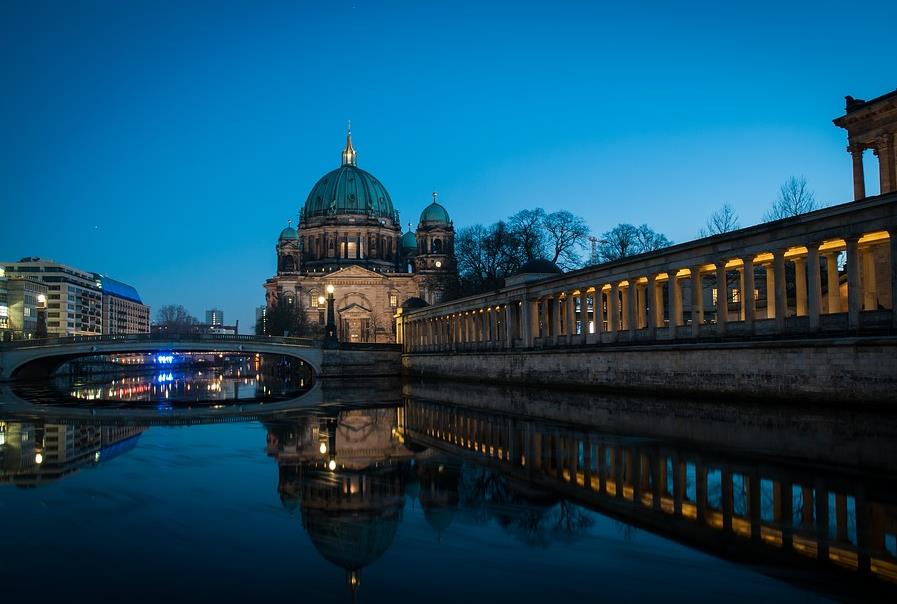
x=38, y=459
x=332, y=465
x=323, y=448
x=322, y=300
x=329, y=289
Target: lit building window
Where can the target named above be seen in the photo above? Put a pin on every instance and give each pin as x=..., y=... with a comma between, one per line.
x=393, y=300
x=313, y=300
x=713, y=295
x=736, y=295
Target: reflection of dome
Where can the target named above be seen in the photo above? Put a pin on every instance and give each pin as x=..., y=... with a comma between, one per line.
x=348, y=190
x=351, y=540
x=413, y=302
x=435, y=215
x=439, y=518
x=408, y=242
x=540, y=266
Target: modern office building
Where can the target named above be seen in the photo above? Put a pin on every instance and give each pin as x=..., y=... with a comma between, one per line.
x=215, y=316
x=123, y=310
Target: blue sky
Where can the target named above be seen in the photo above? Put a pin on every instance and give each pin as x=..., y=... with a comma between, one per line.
x=166, y=144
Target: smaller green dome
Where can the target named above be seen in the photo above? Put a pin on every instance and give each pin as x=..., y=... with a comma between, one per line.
x=434, y=214
x=408, y=242
x=289, y=233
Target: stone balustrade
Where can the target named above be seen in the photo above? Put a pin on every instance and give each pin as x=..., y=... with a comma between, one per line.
x=827, y=272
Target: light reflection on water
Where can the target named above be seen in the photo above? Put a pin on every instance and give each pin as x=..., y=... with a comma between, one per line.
x=418, y=498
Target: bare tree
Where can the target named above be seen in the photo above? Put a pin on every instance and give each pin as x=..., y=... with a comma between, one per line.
x=795, y=198
x=627, y=240
x=175, y=318
x=566, y=235
x=527, y=228
x=721, y=221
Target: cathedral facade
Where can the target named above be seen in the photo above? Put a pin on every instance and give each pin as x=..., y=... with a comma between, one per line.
x=349, y=236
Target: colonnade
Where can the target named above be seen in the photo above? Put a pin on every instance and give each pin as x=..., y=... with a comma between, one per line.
x=841, y=277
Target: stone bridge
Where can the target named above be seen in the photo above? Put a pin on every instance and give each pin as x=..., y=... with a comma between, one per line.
x=40, y=358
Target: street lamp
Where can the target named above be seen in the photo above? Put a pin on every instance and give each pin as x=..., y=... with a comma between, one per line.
x=330, y=340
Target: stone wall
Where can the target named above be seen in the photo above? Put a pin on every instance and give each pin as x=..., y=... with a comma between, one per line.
x=824, y=370
x=355, y=362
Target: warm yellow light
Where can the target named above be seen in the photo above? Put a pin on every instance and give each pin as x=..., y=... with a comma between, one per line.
x=323, y=448
x=321, y=299
x=41, y=299
x=332, y=465
x=38, y=459
x=329, y=289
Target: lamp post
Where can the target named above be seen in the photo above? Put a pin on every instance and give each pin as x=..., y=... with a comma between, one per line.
x=330, y=340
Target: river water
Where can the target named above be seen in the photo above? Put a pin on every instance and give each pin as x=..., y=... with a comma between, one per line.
x=135, y=487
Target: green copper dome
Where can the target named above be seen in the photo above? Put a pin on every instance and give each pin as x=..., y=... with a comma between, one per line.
x=289, y=233
x=408, y=242
x=434, y=214
x=348, y=190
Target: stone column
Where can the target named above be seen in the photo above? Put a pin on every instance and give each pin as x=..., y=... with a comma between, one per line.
x=641, y=295
x=659, y=308
x=870, y=287
x=800, y=287
x=676, y=319
x=834, y=283
x=747, y=294
x=584, y=312
x=624, y=308
x=697, y=301
x=814, y=285
x=570, y=316
x=651, y=290
x=631, y=316
x=741, y=300
x=892, y=233
x=859, y=180
x=509, y=325
x=555, y=314
x=534, y=320
x=854, y=295
x=598, y=312
x=722, y=297
x=613, y=309
x=781, y=299
x=770, y=290
x=526, y=324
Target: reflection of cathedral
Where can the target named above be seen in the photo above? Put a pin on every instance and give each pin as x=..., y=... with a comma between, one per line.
x=349, y=236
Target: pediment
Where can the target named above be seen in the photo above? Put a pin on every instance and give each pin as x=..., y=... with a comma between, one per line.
x=355, y=272
x=353, y=308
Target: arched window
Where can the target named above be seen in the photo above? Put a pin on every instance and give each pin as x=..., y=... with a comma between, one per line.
x=437, y=246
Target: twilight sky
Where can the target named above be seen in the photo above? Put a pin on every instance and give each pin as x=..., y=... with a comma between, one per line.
x=167, y=143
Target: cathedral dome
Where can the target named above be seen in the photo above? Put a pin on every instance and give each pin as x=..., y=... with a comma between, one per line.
x=435, y=215
x=348, y=190
x=289, y=233
x=408, y=242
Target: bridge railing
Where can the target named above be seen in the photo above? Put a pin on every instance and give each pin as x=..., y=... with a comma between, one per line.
x=162, y=338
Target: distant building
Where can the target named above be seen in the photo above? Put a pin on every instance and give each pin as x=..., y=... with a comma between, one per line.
x=74, y=301
x=123, y=310
x=261, y=318
x=215, y=316
x=23, y=307
x=77, y=302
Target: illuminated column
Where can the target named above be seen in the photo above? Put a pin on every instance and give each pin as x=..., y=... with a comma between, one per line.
x=613, y=309
x=676, y=318
x=584, y=312
x=814, y=285
x=854, y=295
x=651, y=290
x=770, y=290
x=570, y=317
x=870, y=288
x=893, y=263
x=697, y=301
x=640, y=305
x=624, y=308
x=747, y=293
x=658, y=297
x=859, y=179
x=722, y=297
x=834, y=283
x=631, y=317
x=741, y=296
x=800, y=286
x=781, y=300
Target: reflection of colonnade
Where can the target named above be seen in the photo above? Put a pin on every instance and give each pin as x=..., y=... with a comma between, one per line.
x=783, y=278
x=793, y=512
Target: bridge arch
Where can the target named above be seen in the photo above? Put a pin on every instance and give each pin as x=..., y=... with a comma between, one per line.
x=34, y=359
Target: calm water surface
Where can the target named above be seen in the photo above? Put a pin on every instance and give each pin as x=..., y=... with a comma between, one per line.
x=438, y=493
